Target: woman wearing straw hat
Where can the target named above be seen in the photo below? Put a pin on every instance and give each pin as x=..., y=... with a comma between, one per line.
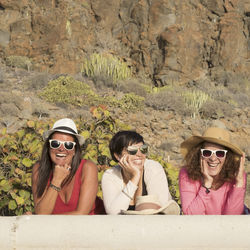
x=134, y=176
x=213, y=180
x=63, y=183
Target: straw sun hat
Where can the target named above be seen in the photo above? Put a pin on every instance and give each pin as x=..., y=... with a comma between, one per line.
x=149, y=204
x=64, y=125
x=215, y=135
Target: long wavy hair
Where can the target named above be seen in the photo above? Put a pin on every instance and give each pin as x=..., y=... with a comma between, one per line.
x=228, y=172
x=46, y=166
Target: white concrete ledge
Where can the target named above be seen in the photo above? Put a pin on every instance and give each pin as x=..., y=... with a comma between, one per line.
x=125, y=232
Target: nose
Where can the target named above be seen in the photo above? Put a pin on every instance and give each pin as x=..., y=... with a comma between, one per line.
x=213, y=157
x=61, y=148
x=139, y=153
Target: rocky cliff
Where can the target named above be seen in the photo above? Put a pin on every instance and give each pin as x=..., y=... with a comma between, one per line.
x=163, y=40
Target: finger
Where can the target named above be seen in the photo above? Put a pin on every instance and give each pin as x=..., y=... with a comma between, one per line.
x=202, y=165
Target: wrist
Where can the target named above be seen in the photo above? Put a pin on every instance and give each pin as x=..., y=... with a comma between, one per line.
x=57, y=188
x=56, y=182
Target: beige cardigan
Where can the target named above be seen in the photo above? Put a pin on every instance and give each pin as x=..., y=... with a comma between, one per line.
x=113, y=186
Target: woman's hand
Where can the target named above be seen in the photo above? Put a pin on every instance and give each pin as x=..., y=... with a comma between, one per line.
x=207, y=179
x=59, y=174
x=130, y=170
x=241, y=173
x=128, y=165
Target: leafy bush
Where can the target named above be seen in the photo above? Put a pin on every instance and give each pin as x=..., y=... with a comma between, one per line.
x=69, y=91
x=19, y=62
x=129, y=101
x=19, y=152
x=106, y=66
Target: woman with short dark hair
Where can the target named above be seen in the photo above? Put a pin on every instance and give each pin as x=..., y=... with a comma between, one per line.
x=134, y=176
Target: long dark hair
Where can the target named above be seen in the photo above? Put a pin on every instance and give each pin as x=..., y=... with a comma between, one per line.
x=228, y=172
x=46, y=166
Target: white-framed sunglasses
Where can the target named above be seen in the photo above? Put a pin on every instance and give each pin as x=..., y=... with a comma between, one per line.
x=207, y=153
x=68, y=145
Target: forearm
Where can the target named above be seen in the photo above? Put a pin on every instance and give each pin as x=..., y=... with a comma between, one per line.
x=235, y=201
x=118, y=199
x=47, y=203
x=195, y=204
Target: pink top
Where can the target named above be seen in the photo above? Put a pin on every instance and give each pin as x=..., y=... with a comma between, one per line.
x=228, y=199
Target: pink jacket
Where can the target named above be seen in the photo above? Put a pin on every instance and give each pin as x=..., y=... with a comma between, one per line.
x=228, y=199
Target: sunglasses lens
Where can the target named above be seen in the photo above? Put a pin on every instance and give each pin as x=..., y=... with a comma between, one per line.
x=55, y=144
x=220, y=153
x=69, y=145
x=132, y=152
x=144, y=149
x=206, y=153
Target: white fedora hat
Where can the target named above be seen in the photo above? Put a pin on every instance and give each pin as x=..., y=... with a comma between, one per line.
x=67, y=126
x=149, y=204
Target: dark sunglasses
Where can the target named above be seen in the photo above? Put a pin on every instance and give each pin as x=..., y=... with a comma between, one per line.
x=132, y=150
x=206, y=153
x=69, y=145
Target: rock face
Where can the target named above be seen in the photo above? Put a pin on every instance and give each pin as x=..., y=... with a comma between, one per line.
x=164, y=40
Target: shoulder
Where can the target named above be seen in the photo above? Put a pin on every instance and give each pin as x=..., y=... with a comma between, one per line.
x=88, y=166
x=183, y=173
x=35, y=167
x=152, y=165
x=114, y=172
x=183, y=176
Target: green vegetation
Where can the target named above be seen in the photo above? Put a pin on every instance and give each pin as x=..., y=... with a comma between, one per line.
x=106, y=66
x=70, y=91
x=195, y=100
x=19, y=62
x=19, y=152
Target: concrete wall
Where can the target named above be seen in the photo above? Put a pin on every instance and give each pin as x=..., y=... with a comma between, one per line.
x=125, y=232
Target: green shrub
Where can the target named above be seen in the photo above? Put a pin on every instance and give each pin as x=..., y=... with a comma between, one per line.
x=19, y=152
x=68, y=90
x=106, y=66
x=19, y=62
x=129, y=102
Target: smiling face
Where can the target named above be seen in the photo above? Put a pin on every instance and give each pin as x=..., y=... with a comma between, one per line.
x=61, y=156
x=139, y=158
x=213, y=164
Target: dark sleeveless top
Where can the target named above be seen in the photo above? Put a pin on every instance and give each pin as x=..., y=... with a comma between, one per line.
x=144, y=192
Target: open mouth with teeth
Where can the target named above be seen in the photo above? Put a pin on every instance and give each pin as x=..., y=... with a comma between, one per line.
x=213, y=165
x=61, y=156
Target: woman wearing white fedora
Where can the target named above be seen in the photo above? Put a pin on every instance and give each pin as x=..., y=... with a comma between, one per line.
x=213, y=180
x=62, y=182
x=134, y=176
